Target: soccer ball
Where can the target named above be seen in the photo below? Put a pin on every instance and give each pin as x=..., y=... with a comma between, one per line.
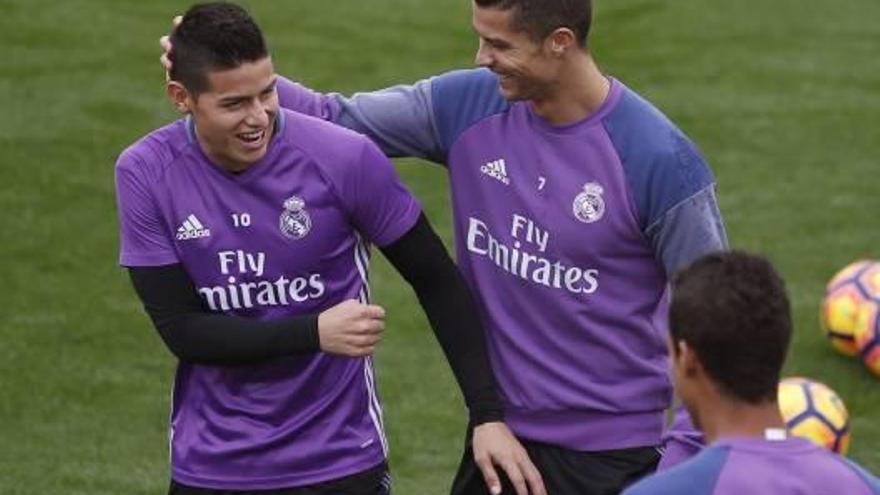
x=812, y=410
x=867, y=327
x=867, y=336
x=845, y=296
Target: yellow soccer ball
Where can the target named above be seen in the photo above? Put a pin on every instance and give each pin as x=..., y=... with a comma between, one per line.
x=867, y=333
x=812, y=410
x=845, y=296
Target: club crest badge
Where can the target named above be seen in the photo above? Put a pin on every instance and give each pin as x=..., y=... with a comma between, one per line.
x=589, y=206
x=295, y=222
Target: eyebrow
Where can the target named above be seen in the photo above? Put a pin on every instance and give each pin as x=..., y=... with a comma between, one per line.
x=236, y=98
x=497, y=41
x=494, y=41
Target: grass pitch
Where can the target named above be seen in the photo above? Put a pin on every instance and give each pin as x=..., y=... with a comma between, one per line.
x=783, y=98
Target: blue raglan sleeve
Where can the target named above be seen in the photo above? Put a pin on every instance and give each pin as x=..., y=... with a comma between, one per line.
x=672, y=185
x=399, y=119
x=421, y=120
x=681, y=219
x=673, y=190
x=689, y=224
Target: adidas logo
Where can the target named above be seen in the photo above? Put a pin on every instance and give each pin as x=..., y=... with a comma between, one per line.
x=192, y=228
x=497, y=170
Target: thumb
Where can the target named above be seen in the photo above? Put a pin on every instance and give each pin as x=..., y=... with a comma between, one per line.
x=373, y=311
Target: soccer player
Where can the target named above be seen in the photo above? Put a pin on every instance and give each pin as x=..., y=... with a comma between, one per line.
x=730, y=327
x=574, y=199
x=245, y=229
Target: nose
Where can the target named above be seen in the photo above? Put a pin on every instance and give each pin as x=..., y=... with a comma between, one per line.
x=258, y=114
x=483, y=58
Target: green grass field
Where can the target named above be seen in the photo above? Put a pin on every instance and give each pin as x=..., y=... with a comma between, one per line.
x=782, y=96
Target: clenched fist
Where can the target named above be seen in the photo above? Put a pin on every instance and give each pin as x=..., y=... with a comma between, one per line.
x=351, y=328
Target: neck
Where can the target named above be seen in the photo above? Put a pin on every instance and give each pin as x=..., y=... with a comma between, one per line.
x=216, y=158
x=723, y=418
x=581, y=89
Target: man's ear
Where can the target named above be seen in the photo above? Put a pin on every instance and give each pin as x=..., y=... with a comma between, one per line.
x=179, y=96
x=688, y=361
x=560, y=41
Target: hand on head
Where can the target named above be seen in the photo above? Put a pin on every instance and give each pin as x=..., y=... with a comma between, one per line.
x=165, y=44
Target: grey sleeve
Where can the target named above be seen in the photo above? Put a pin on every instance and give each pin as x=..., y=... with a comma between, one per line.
x=688, y=230
x=399, y=119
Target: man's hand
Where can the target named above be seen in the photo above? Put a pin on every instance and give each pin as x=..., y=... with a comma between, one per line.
x=351, y=328
x=495, y=445
x=165, y=44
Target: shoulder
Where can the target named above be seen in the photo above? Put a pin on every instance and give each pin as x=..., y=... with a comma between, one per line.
x=343, y=158
x=322, y=141
x=869, y=479
x=664, y=167
x=150, y=155
x=635, y=124
x=462, y=98
x=695, y=476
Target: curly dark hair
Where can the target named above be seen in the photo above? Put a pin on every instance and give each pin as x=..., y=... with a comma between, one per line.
x=213, y=36
x=731, y=308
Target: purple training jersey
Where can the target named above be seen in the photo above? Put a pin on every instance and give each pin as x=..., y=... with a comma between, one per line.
x=568, y=236
x=288, y=236
x=761, y=467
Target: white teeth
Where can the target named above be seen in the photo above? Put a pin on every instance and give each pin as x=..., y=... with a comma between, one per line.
x=251, y=136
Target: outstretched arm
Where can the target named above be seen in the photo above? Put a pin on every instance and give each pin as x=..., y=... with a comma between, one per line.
x=687, y=231
x=421, y=258
x=399, y=119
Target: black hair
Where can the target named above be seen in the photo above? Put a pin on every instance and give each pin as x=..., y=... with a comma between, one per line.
x=731, y=308
x=539, y=18
x=213, y=36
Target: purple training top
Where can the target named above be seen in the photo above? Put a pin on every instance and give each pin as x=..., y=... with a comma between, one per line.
x=756, y=466
x=568, y=236
x=288, y=236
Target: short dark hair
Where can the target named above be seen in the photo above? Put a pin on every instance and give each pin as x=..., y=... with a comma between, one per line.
x=731, y=308
x=539, y=18
x=213, y=36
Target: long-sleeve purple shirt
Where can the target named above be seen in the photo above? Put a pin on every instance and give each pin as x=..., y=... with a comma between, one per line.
x=568, y=236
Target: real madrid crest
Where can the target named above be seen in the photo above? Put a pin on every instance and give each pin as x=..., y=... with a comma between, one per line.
x=589, y=206
x=295, y=222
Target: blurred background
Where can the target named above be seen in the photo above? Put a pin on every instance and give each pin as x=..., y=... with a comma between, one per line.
x=783, y=98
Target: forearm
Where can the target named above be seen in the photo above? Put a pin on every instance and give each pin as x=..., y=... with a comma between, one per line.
x=197, y=336
x=398, y=119
x=452, y=315
x=423, y=261
x=688, y=231
x=221, y=340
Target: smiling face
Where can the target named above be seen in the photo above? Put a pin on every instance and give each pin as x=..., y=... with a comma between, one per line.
x=235, y=117
x=526, y=68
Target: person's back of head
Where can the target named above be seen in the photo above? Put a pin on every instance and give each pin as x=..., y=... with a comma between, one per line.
x=213, y=36
x=732, y=310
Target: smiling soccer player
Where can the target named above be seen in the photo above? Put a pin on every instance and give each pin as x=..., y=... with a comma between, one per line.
x=246, y=231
